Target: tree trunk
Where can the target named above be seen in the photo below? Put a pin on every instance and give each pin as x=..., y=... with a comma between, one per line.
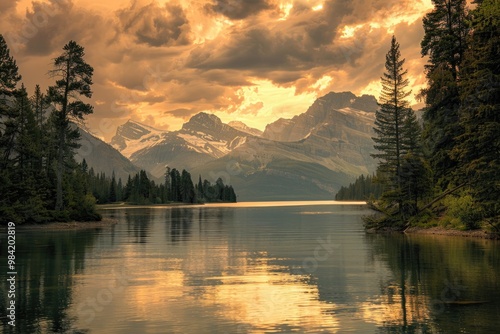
x=59, y=171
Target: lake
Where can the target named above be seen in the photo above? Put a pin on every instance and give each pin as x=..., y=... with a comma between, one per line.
x=292, y=267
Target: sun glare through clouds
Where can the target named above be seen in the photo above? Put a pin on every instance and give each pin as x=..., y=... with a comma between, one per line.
x=211, y=55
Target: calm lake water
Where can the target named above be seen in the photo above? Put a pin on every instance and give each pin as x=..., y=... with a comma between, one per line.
x=251, y=268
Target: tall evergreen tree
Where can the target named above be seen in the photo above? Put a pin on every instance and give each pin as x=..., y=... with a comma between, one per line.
x=478, y=149
x=168, y=190
x=73, y=79
x=390, y=124
x=9, y=77
x=445, y=43
x=112, y=189
x=175, y=179
x=187, y=187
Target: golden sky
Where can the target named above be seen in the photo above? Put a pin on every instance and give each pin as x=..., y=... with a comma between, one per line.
x=161, y=61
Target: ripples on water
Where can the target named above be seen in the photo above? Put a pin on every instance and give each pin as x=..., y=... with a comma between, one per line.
x=289, y=267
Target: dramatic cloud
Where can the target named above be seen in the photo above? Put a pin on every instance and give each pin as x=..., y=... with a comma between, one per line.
x=162, y=61
x=6, y=6
x=155, y=25
x=239, y=9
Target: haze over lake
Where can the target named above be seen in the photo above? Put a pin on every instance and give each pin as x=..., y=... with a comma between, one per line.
x=253, y=268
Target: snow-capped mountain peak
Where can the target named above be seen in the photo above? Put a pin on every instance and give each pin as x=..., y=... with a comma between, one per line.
x=204, y=137
x=134, y=136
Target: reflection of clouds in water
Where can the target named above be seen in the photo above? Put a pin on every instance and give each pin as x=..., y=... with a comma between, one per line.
x=387, y=309
x=194, y=295
x=267, y=299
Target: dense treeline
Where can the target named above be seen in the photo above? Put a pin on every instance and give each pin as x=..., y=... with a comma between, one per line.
x=139, y=189
x=364, y=188
x=446, y=171
x=40, y=180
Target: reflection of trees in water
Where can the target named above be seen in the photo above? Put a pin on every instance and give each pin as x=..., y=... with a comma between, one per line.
x=46, y=263
x=138, y=224
x=431, y=274
x=180, y=220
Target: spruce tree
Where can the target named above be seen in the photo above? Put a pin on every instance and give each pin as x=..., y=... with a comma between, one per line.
x=187, y=187
x=168, y=190
x=478, y=149
x=73, y=79
x=390, y=124
x=112, y=189
x=445, y=43
x=9, y=77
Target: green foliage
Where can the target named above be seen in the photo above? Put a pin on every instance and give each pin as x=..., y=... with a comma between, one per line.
x=461, y=128
x=478, y=151
x=85, y=209
x=74, y=78
x=139, y=189
x=30, y=146
x=402, y=170
x=445, y=43
x=462, y=212
x=9, y=76
x=363, y=188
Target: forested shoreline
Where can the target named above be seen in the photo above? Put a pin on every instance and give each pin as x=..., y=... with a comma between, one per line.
x=40, y=181
x=445, y=172
x=178, y=187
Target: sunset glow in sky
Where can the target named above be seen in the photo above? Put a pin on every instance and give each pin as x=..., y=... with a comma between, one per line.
x=161, y=61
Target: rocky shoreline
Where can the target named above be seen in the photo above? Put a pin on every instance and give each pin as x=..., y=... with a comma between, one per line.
x=452, y=232
x=440, y=231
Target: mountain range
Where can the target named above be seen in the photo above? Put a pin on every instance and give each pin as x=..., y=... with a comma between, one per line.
x=306, y=157
x=103, y=157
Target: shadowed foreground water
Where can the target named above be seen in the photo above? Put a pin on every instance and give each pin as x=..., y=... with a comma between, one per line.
x=251, y=268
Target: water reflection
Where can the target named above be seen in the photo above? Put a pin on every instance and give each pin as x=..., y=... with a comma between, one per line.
x=47, y=266
x=252, y=270
x=439, y=284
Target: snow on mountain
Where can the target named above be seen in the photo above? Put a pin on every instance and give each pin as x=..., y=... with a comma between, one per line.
x=245, y=128
x=203, y=138
x=306, y=157
x=134, y=136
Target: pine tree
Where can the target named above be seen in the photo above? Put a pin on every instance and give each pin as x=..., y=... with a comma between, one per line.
x=478, y=151
x=74, y=78
x=199, y=189
x=112, y=189
x=364, y=188
x=390, y=124
x=445, y=43
x=9, y=77
x=187, y=187
x=415, y=170
x=168, y=190
x=175, y=178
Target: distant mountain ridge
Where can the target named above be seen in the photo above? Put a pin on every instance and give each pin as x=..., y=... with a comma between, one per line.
x=203, y=138
x=319, y=113
x=309, y=156
x=102, y=157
